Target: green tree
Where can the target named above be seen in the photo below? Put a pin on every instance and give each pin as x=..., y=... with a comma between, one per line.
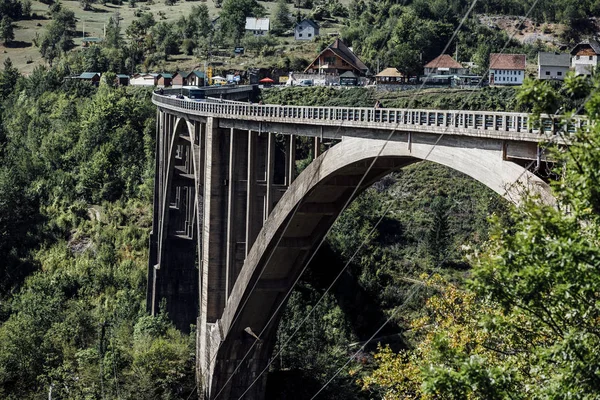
x=7, y=30
x=58, y=37
x=8, y=78
x=166, y=39
x=233, y=17
x=527, y=325
x=113, y=32
x=438, y=236
x=282, y=20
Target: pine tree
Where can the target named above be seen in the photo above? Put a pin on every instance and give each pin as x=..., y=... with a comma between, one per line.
x=438, y=237
x=7, y=30
x=282, y=21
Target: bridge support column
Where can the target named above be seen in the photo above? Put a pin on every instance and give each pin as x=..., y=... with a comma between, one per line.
x=290, y=164
x=172, y=263
x=251, y=225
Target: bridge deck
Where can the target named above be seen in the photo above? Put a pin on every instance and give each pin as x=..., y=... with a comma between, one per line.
x=497, y=125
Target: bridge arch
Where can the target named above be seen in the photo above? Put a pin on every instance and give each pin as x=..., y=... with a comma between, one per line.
x=299, y=221
x=172, y=273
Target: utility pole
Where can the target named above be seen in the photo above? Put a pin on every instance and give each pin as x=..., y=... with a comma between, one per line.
x=83, y=30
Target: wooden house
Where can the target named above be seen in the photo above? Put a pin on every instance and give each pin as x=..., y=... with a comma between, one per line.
x=122, y=80
x=180, y=78
x=93, y=77
x=164, y=80
x=195, y=78
x=336, y=59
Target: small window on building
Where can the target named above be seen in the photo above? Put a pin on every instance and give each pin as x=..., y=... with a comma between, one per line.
x=559, y=73
x=309, y=35
x=577, y=58
x=299, y=35
x=591, y=58
x=547, y=73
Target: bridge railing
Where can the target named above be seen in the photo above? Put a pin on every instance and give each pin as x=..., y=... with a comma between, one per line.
x=478, y=120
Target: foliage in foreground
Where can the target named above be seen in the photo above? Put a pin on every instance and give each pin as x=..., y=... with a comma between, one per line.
x=528, y=326
x=75, y=168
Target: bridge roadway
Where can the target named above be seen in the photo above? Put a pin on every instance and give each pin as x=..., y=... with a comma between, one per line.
x=233, y=225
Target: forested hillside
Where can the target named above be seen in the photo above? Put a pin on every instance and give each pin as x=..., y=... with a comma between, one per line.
x=75, y=184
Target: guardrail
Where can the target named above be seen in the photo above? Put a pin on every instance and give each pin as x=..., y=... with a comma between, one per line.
x=377, y=118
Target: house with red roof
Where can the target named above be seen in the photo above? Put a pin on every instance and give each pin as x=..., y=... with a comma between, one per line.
x=507, y=69
x=444, y=65
x=336, y=59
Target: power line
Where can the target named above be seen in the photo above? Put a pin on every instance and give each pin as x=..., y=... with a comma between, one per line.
x=345, y=206
x=349, y=200
x=420, y=285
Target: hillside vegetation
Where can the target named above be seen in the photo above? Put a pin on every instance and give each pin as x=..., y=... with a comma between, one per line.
x=413, y=269
x=170, y=35
x=75, y=212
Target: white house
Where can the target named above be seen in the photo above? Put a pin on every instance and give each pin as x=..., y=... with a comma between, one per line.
x=257, y=26
x=553, y=65
x=306, y=30
x=584, y=57
x=144, y=79
x=444, y=65
x=507, y=69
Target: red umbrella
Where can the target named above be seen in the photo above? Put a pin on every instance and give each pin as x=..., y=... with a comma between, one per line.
x=266, y=80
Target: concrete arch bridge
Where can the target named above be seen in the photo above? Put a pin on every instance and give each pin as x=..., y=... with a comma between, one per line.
x=233, y=226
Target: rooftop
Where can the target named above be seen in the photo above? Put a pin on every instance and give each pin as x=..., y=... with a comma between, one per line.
x=554, y=59
x=257, y=24
x=389, y=72
x=308, y=22
x=340, y=49
x=587, y=43
x=507, y=61
x=88, y=75
x=443, y=61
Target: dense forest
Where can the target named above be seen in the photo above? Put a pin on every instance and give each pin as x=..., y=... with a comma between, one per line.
x=75, y=198
x=485, y=300
x=75, y=189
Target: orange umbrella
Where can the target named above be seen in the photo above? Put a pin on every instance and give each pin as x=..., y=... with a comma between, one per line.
x=266, y=80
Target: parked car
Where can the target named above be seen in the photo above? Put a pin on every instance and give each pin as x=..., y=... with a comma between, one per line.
x=306, y=82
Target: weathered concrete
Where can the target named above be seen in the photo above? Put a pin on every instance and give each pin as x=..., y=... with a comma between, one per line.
x=233, y=227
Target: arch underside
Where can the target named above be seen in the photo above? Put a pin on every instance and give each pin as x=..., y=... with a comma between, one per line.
x=301, y=219
x=176, y=210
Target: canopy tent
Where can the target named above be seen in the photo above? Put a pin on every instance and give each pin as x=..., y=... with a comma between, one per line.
x=266, y=80
x=218, y=78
